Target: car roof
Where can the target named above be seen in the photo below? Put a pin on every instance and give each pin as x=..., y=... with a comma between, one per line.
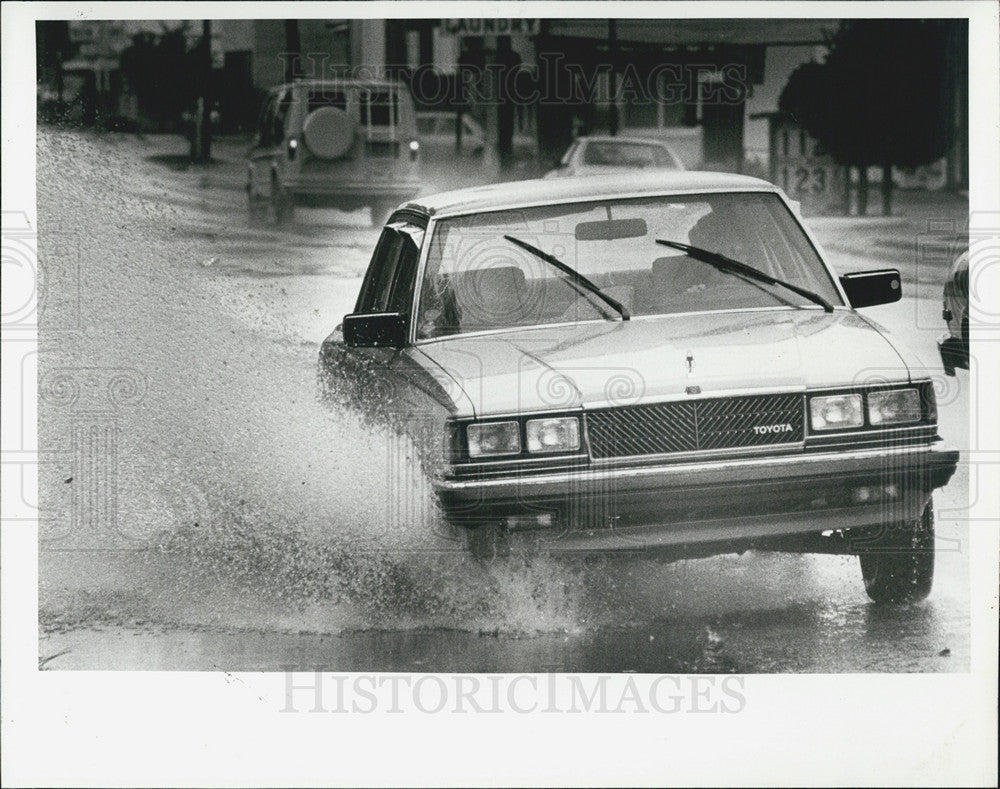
x=516, y=194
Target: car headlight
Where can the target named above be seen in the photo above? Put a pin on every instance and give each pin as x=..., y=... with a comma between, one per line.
x=834, y=412
x=560, y=434
x=493, y=438
x=895, y=407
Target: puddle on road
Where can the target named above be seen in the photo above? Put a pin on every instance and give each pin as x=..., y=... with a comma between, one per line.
x=251, y=523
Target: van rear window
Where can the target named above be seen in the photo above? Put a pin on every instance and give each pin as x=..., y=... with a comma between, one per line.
x=379, y=108
x=327, y=97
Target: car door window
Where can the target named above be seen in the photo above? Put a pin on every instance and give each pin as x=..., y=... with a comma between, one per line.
x=388, y=284
x=401, y=295
x=378, y=280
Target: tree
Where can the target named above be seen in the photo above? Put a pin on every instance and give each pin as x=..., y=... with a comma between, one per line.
x=162, y=71
x=880, y=98
x=54, y=47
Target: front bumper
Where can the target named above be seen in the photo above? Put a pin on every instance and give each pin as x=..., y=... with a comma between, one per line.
x=612, y=508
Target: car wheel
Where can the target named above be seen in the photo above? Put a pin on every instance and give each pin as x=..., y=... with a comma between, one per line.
x=488, y=541
x=256, y=206
x=898, y=567
x=281, y=203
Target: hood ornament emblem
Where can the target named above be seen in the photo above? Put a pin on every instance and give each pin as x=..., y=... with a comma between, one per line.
x=689, y=360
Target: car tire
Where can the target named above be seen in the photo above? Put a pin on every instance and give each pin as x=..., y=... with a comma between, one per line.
x=281, y=203
x=899, y=566
x=256, y=207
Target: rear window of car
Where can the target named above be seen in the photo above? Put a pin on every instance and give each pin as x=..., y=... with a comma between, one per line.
x=379, y=108
x=625, y=155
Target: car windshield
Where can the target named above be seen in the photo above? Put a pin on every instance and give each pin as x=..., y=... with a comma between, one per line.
x=476, y=280
x=625, y=154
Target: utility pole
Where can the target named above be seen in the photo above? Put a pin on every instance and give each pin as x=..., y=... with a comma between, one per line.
x=613, y=121
x=491, y=84
x=505, y=105
x=201, y=142
x=293, y=50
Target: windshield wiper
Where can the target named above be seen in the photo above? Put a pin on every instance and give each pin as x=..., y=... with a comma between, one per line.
x=575, y=277
x=724, y=263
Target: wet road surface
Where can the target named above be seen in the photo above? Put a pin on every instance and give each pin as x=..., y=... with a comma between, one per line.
x=242, y=525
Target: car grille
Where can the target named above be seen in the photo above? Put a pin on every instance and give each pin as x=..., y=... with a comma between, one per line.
x=695, y=425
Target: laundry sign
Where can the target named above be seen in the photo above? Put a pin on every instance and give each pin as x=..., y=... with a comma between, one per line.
x=491, y=27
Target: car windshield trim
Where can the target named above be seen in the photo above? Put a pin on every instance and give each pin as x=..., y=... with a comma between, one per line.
x=725, y=263
x=641, y=318
x=575, y=277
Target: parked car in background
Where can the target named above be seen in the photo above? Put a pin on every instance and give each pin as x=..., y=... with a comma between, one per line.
x=954, y=346
x=343, y=143
x=597, y=155
x=438, y=128
x=658, y=364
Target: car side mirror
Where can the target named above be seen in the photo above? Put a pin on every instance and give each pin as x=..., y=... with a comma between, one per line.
x=868, y=288
x=375, y=330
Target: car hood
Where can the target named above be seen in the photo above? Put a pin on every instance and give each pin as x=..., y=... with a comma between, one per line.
x=595, y=365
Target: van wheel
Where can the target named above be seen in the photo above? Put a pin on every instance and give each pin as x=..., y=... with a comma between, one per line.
x=256, y=207
x=281, y=203
x=899, y=566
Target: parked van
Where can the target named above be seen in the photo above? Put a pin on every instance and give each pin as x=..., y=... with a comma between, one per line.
x=342, y=143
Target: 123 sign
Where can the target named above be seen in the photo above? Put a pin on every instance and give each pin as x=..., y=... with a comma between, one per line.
x=803, y=170
x=808, y=180
x=491, y=27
